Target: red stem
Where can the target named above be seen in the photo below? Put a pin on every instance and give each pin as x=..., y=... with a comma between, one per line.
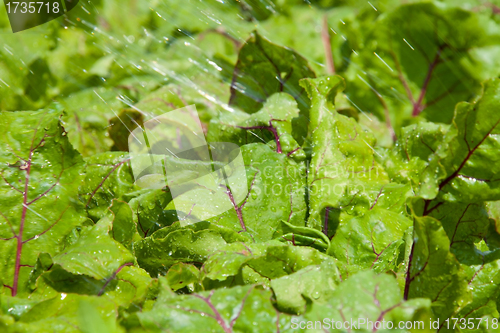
x=276, y=137
x=417, y=106
x=111, y=278
x=269, y=128
x=19, y=235
x=217, y=314
x=325, y=36
x=408, y=279
x=236, y=207
x=103, y=180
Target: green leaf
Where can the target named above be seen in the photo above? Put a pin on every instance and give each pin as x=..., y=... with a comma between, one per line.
x=298, y=30
x=150, y=213
x=68, y=313
x=410, y=157
x=465, y=225
x=484, y=281
x=371, y=241
x=269, y=260
x=32, y=50
x=86, y=266
x=43, y=264
x=433, y=271
x=239, y=309
x=124, y=228
x=183, y=275
x=15, y=306
x=91, y=320
x=312, y=283
x=108, y=176
x=493, y=208
x=274, y=122
x=371, y=297
x=421, y=58
x=342, y=164
x=128, y=286
x=40, y=177
x=189, y=244
x=102, y=66
x=276, y=192
x=36, y=86
x=227, y=262
x=175, y=96
x=86, y=119
x=95, y=264
x=94, y=254
x=264, y=68
x=465, y=167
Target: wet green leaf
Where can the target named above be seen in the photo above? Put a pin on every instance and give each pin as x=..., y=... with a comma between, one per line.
x=108, y=176
x=420, y=58
x=243, y=309
x=69, y=313
x=343, y=163
x=150, y=212
x=124, y=228
x=372, y=241
x=464, y=167
x=371, y=297
x=273, y=123
x=40, y=177
x=183, y=275
x=264, y=68
x=313, y=283
x=433, y=271
x=276, y=191
x=189, y=244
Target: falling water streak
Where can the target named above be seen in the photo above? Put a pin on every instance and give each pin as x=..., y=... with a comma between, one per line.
x=133, y=120
x=128, y=129
x=252, y=132
x=34, y=212
x=183, y=80
x=4, y=83
x=408, y=44
x=117, y=116
x=102, y=99
x=392, y=70
x=85, y=9
x=371, y=148
x=171, y=152
x=126, y=101
x=372, y=6
x=94, y=7
x=357, y=107
x=170, y=74
x=395, y=93
x=372, y=88
x=6, y=48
